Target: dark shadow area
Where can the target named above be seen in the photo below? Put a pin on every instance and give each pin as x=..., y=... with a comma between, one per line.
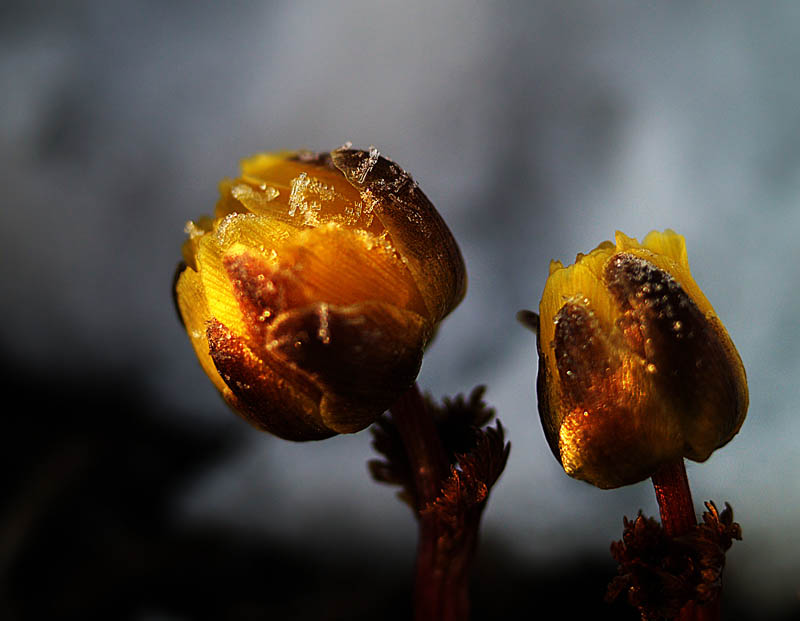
x=87, y=530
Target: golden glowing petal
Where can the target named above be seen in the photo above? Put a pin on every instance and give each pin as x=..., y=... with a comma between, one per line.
x=222, y=303
x=576, y=281
x=194, y=311
x=262, y=234
x=623, y=242
x=668, y=243
x=232, y=233
x=269, y=200
x=339, y=266
x=281, y=168
x=596, y=259
x=265, y=166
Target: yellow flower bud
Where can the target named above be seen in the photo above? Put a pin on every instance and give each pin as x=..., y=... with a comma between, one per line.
x=311, y=295
x=635, y=368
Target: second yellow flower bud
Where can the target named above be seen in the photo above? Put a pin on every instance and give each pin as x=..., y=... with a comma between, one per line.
x=635, y=368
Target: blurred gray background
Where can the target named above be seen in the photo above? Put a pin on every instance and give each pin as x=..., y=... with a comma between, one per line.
x=536, y=128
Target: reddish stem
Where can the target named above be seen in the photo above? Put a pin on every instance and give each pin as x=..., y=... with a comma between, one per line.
x=423, y=447
x=674, y=498
x=442, y=575
x=677, y=517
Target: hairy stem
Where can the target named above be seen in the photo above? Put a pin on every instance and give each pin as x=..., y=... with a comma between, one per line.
x=678, y=517
x=442, y=573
